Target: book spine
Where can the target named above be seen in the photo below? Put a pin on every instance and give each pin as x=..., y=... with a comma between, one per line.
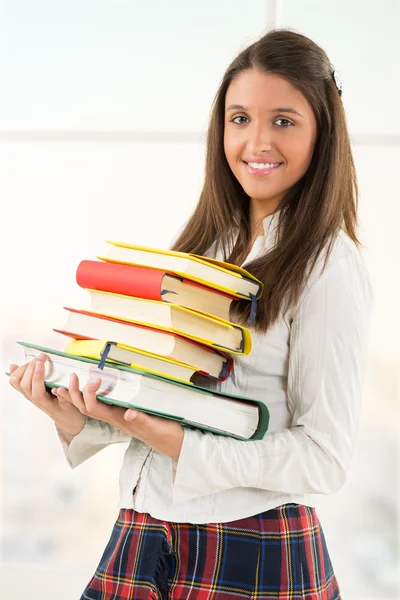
x=120, y=279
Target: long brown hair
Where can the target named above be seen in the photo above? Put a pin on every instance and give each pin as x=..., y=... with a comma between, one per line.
x=312, y=212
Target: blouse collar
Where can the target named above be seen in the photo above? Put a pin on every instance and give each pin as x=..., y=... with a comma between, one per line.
x=270, y=223
x=264, y=242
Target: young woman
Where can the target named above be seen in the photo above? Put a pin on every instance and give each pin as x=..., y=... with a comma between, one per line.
x=206, y=516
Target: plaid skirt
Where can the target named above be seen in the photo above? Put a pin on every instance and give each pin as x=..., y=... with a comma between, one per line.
x=277, y=554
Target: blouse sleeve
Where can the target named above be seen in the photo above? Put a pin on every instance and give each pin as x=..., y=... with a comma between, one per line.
x=95, y=436
x=327, y=359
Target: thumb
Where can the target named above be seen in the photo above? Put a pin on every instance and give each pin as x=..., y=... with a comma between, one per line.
x=133, y=415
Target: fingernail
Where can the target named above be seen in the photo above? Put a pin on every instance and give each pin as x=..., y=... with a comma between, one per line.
x=54, y=391
x=130, y=414
x=95, y=384
x=39, y=366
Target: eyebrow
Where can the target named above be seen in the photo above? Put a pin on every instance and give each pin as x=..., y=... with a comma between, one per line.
x=274, y=110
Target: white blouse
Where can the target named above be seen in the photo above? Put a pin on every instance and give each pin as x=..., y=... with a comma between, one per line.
x=308, y=369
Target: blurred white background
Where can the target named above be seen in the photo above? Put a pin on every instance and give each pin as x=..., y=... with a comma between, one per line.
x=103, y=112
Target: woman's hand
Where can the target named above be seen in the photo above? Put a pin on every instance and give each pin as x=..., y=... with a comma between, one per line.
x=164, y=435
x=69, y=408
x=29, y=381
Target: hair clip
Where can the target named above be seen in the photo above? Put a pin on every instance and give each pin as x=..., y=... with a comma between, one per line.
x=337, y=80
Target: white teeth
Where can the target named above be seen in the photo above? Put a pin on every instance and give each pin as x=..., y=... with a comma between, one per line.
x=263, y=165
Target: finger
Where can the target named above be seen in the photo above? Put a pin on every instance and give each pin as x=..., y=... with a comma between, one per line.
x=16, y=376
x=63, y=396
x=76, y=395
x=40, y=396
x=95, y=408
x=26, y=380
x=89, y=394
x=131, y=415
x=140, y=419
x=18, y=372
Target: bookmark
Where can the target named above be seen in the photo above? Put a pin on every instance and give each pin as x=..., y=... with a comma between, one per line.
x=104, y=355
x=253, y=310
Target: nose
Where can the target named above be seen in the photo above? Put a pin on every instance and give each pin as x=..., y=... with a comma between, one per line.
x=260, y=138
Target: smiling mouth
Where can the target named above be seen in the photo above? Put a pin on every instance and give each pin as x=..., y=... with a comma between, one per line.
x=262, y=166
x=261, y=169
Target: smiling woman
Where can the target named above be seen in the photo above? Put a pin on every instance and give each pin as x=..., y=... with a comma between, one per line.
x=277, y=103
x=207, y=515
x=267, y=151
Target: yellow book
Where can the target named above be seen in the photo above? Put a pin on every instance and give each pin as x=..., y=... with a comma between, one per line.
x=202, y=328
x=131, y=357
x=219, y=275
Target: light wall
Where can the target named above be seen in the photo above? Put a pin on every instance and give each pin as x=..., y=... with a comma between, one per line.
x=103, y=112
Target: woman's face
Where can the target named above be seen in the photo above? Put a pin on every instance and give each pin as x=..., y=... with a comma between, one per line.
x=269, y=135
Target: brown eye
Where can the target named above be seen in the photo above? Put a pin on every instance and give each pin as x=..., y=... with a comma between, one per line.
x=234, y=120
x=286, y=122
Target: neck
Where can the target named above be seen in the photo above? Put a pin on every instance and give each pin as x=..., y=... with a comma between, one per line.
x=259, y=209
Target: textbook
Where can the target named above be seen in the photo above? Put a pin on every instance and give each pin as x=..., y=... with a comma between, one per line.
x=222, y=276
x=192, y=406
x=171, y=317
x=111, y=352
x=153, y=284
x=92, y=326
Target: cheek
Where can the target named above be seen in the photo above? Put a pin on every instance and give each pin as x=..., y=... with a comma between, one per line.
x=300, y=155
x=230, y=153
x=232, y=145
x=226, y=147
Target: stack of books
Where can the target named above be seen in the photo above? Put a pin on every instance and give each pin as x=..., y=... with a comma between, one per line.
x=157, y=319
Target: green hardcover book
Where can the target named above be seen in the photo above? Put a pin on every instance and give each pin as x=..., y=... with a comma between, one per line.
x=193, y=406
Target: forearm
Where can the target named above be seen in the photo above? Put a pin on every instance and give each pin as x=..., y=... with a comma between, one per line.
x=290, y=461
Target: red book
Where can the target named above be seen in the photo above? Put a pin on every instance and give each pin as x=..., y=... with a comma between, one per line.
x=152, y=284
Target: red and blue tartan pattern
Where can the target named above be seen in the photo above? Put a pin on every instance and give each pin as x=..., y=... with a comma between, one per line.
x=280, y=554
